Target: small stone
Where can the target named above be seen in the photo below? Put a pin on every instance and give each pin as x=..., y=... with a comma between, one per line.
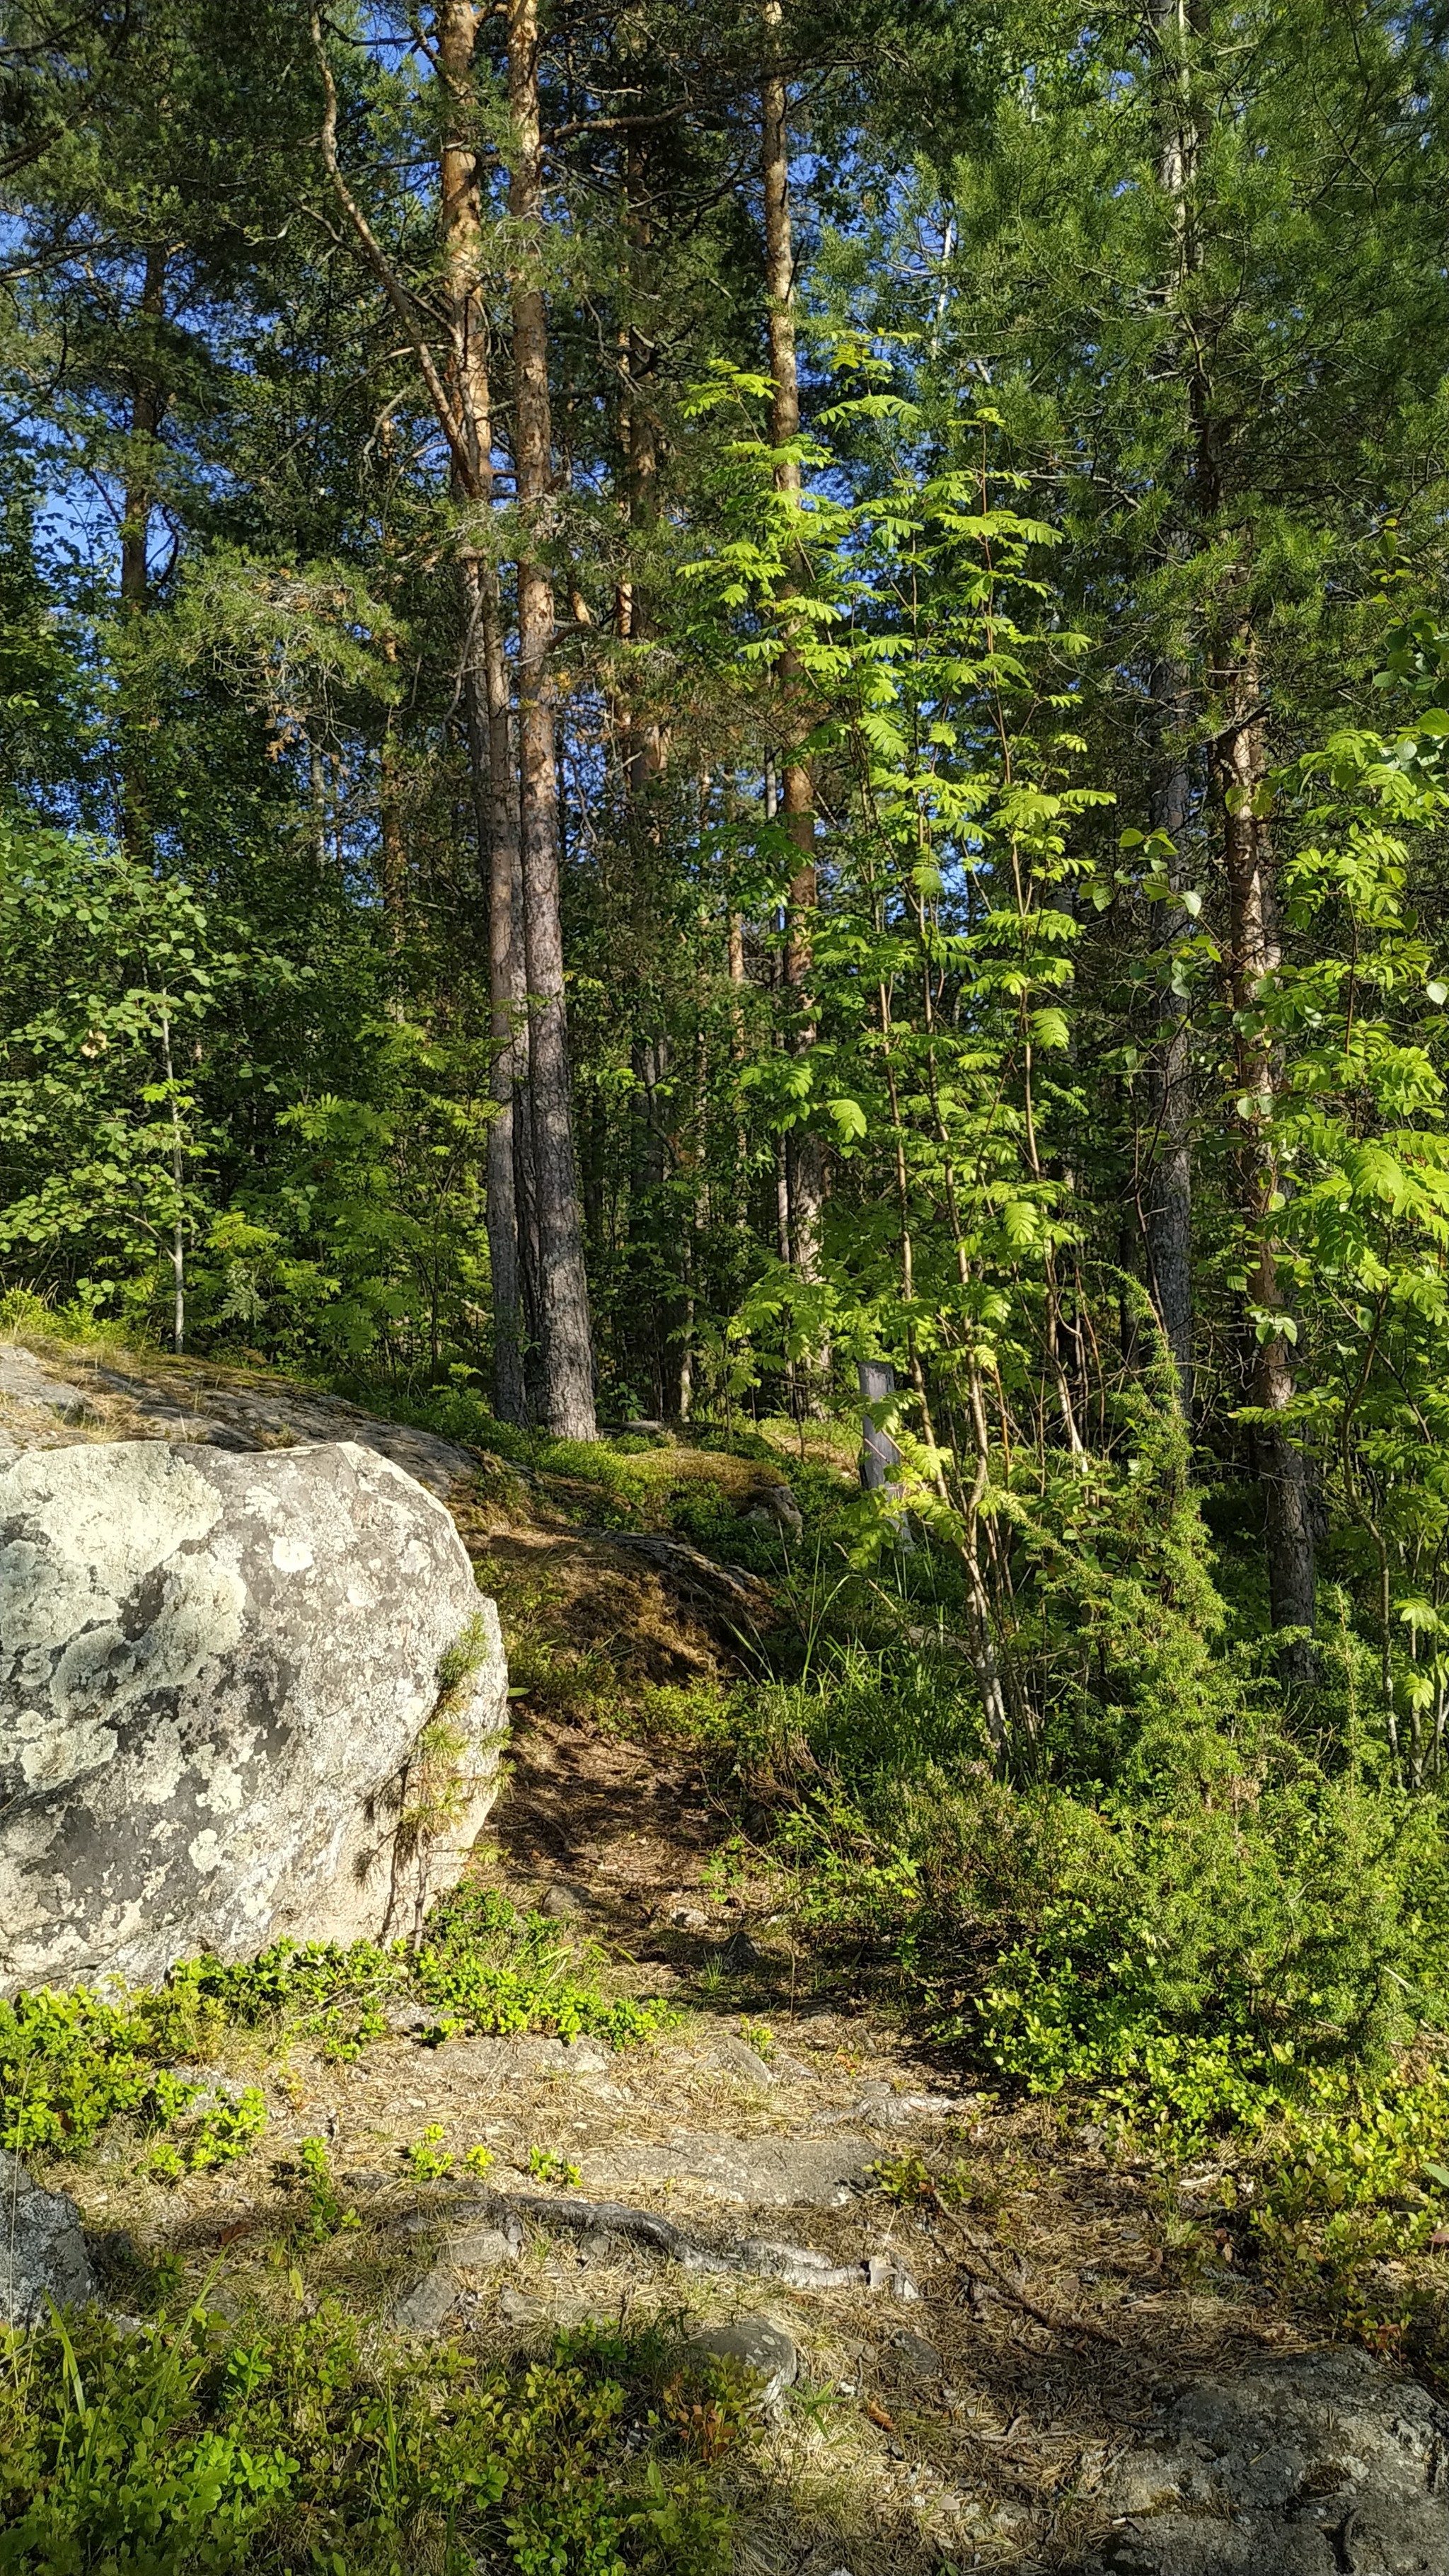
x=403, y=2019
x=917, y=2358
x=786, y=2068
x=212, y=2086
x=777, y=1503
x=516, y=2311
x=567, y=1901
x=737, y=2058
x=483, y=2249
x=423, y=2309
x=759, y=2346
x=586, y=2056
x=740, y=1955
x=42, y=2251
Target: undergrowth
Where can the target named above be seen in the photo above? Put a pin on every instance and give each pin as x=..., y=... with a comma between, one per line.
x=185, y=2446
x=69, y=2063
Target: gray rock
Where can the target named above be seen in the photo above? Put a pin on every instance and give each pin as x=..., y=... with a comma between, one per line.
x=507, y=2061
x=427, y=2306
x=42, y=2250
x=1303, y=2465
x=568, y=1902
x=736, y=2057
x=24, y=1380
x=760, y=2346
x=516, y=2310
x=777, y=1503
x=214, y=1673
x=485, y=2245
x=761, y=2173
x=914, y=2358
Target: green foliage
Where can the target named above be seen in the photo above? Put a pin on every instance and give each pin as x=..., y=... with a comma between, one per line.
x=224, y=2128
x=327, y=2214
x=183, y=2446
x=427, y=2157
x=69, y=2063
x=546, y=2166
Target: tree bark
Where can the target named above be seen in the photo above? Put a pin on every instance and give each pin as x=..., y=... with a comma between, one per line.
x=1168, y=1211
x=148, y=409
x=1240, y=766
x=644, y=744
x=486, y=696
x=805, y=1159
x=567, y=1356
x=1168, y=1199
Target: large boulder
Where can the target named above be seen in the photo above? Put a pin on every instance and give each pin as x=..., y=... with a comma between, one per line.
x=241, y=1698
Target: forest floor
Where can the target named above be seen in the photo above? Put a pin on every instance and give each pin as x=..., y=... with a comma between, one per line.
x=961, y=2412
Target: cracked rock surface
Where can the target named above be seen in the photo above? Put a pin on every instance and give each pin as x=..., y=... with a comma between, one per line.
x=42, y=2252
x=760, y=2173
x=1302, y=2466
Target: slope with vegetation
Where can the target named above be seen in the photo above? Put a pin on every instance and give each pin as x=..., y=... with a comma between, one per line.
x=734, y=721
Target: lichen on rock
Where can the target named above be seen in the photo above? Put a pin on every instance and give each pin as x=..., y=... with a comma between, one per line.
x=221, y=1678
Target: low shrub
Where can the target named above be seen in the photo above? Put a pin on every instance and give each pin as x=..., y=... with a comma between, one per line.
x=69, y=2063
x=185, y=2447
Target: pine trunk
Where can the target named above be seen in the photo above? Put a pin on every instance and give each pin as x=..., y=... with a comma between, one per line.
x=566, y=1356
x=804, y=1159
x=1168, y=1198
x=148, y=405
x=485, y=692
x=1240, y=766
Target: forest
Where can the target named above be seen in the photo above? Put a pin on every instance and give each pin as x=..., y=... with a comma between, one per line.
x=719, y=717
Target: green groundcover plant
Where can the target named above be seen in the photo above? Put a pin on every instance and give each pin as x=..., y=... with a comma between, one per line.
x=171, y=2447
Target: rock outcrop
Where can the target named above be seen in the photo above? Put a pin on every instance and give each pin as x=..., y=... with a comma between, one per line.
x=42, y=2251
x=47, y=1405
x=241, y=1697
x=1303, y=2465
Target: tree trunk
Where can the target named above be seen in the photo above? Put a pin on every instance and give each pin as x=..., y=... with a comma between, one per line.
x=1168, y=1210
x=797, y=798
x=390, y=824
x=485, y=697
x=567, y=1355
x=644, y=738
x=1168, y=1204
x=148, y=407
x=1240, y=766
